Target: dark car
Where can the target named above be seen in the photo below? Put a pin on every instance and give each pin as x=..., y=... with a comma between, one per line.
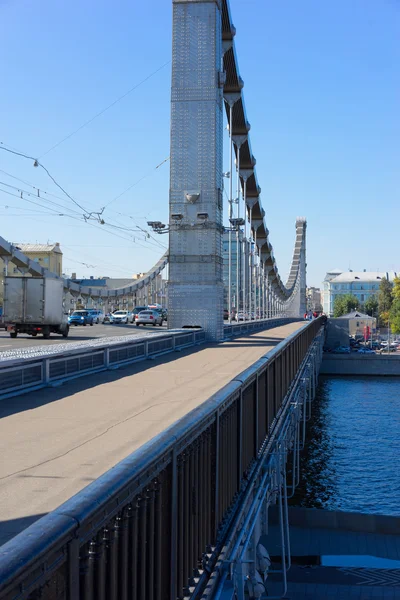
x=138, y=309
x=81, y=317
x=163, y=312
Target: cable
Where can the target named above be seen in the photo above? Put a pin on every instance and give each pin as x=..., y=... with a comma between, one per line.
x=130, y=238
x=37, y=163
x=135, y=87
x=137, y=182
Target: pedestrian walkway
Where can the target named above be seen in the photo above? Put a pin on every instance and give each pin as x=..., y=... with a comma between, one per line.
x=55, y=441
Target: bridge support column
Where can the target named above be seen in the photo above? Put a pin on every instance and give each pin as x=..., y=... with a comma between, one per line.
x=195, y=288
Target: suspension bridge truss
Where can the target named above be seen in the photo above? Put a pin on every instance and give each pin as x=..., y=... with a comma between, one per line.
x=205, y=80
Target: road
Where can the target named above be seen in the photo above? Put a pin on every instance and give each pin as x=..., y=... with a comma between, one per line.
x=76, y=334
x=55, y=441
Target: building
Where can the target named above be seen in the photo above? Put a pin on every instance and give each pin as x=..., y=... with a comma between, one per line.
x=362, y=284
x=314, y=299
x=358, y=322
x=48, y=256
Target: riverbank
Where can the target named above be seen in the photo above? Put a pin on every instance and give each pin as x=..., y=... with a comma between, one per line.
x=361, y=364
x=336, y=555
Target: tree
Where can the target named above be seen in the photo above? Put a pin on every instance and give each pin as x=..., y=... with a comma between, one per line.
x=396, y=289
x=385, y=297
x=345, y=303
x=395, y=308
x=371, y=306
x=395, y=316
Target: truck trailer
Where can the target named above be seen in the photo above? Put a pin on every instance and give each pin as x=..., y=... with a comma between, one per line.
x=35, y=305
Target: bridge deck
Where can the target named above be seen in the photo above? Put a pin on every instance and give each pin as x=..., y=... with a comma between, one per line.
x=54, y=442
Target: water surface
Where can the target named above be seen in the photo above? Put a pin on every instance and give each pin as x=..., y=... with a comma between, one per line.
x=352, y=458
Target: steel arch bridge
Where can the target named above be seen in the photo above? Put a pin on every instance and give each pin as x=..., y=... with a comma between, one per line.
x=205, y=79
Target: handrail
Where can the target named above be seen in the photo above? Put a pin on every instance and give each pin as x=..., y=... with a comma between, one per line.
x=55, y=549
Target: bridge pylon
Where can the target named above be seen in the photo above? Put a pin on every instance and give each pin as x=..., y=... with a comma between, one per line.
x=195, y=288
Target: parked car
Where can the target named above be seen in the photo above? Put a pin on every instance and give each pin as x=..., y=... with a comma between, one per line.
x=366, y=351
x=98, y=315
x=80, y=317
x=121, y=316
x=149, y=317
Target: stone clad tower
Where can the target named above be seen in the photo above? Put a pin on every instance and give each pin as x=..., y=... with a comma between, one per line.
x=195, y=289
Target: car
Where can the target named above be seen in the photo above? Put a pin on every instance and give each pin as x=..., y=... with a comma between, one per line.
x=148, y=317
x=121, y=316
x=366, y=351
x=138, y=309
x=162, y=312
x=98, y=315
x=81, y=317
x=341, y=350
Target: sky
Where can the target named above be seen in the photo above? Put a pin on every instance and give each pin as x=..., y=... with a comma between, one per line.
x=322, y=86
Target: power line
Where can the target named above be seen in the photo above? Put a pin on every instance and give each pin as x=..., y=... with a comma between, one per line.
x=102, y=227
x=36, y=163
x=135, y=87
x=137, y=182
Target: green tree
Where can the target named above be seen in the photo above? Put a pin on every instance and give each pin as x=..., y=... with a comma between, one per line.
x=396, y=289
x=385, y=297
x=395, y=316
x=345, y=303
x=371, y=306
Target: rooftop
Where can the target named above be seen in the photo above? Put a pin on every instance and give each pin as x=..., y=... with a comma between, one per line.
x=365, y=276
x=39, y=247
x=355, y=314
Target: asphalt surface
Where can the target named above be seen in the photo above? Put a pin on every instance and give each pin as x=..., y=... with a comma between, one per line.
x=55, y=441
x=76, y=334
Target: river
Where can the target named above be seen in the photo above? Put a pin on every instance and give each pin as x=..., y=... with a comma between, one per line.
x=352, y=457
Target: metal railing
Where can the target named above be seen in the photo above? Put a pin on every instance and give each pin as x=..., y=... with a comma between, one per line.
x=234, y=329
x=33, y=368
x=152, y=527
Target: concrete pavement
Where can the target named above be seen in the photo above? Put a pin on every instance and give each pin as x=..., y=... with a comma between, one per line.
x=55, y=441
x=76, y=334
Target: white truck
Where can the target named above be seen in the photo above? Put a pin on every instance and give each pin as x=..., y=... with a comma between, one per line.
x=34, y=305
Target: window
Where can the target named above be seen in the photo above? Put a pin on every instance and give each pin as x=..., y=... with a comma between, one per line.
x=362, y=297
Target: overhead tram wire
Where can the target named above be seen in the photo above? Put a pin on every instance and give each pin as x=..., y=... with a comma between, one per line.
x=37, y=163
x=135, y=87
x=137, y=182
x=115, y=221
x=76, y=218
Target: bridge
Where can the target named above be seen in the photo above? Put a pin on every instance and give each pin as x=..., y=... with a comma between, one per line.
x=183, y=454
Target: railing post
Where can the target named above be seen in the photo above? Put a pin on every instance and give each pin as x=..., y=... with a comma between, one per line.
x=46, y=370
x=73, y=570
x=216, y=499
x=174, y=523
x=240, y=435
x=107, y=358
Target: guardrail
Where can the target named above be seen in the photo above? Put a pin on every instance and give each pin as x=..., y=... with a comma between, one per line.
x=146, y=528
x=33, y=368
x=242, y=327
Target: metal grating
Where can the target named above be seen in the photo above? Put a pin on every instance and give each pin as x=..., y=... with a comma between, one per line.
x=160, y=346
x=126, y=353
x=15, y=378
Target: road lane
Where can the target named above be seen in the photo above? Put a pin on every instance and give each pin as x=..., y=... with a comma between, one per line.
x=76, y=334
x=54, y=442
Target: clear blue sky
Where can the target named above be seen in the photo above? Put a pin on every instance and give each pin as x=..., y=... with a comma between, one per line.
x=322, y=86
